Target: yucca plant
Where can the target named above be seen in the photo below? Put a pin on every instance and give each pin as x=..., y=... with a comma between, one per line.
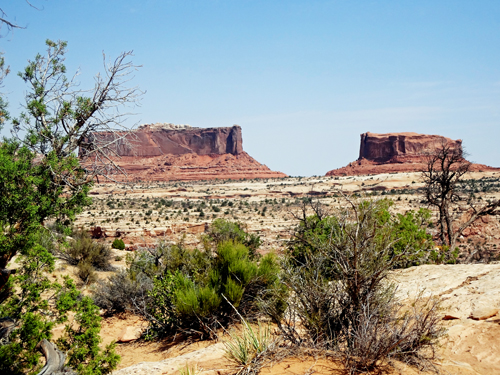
x=248, y=348
x=189, y=369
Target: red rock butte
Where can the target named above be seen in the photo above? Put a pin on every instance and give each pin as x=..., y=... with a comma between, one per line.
x=168, y=152
x=397, y=152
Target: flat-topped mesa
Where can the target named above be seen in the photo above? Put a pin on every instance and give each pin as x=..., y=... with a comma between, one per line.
x=401, y=147
x=167, y=152
x=152, y=140
x=397, y=152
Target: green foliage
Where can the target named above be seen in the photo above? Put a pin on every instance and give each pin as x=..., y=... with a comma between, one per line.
x=29, y=311
x=166, y=257
x=118, y=244
x=444, y=255
x=222, y=230
x=81, y=342
x=56, y=123
x=192, y=299
x=412, y=241
x=29, y=194
x=189, y=370
x=160, y=310
x=36, y=305
x=410, y=244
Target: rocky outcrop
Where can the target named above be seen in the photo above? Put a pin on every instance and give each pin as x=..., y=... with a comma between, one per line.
x=397, y=152
x=162, y=139
x=210, y=360
x=401, y=147
x=167, y=152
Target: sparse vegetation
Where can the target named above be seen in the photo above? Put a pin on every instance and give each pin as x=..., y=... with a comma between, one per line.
x=88, y=255
x=340, y=294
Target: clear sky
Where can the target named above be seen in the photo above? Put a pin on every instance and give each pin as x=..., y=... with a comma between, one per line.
x=302, y=78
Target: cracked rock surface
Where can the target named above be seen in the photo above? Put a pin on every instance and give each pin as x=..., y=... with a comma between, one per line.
x=471, y=300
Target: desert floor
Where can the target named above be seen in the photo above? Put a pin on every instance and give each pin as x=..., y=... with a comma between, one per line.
x=143, y=214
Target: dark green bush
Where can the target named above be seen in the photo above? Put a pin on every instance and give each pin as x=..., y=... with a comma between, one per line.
x=118, y=244
x=222, y=230
x=182, y=290
x=191, y=302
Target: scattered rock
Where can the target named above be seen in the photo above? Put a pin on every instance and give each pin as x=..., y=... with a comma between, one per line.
x=483, y=312
x=129, y=334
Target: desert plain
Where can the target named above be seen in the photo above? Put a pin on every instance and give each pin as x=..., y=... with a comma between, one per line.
x=142, y=214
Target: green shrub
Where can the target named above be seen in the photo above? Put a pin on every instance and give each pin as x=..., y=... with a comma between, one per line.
x=81, y=342
x=222, y=230
x=118, y=244
x=341, y=298
x=182, y=290
x=203, y=300
x=410, y=244
x=84, y=249
x=35, y=315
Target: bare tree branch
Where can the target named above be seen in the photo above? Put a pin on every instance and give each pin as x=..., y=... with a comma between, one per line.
x=443, y=177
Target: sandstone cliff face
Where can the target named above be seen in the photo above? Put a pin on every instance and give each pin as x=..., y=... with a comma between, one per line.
x=397, y=152
x=167, y=152
x=384, y=148
x=159, y=139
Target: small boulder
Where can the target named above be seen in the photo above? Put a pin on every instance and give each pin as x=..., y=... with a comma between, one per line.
x=129, y=334
x=483, y=312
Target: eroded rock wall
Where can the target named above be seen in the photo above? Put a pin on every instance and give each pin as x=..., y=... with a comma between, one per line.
x=397, y=153
x=167, y=152
x=382, y=148
x=157, y=140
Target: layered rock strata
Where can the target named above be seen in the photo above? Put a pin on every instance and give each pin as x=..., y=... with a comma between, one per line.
x=167, y=152
x=397, y=152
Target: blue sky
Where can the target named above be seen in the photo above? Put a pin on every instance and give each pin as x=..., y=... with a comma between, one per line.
x=303, y=78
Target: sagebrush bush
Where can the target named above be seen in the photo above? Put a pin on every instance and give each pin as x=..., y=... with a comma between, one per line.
x=122, y=293
x=337, y=270
x=83, y=249
x=86, y=272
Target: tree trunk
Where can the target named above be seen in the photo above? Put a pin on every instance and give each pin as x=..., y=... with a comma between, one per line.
x=54, y=359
